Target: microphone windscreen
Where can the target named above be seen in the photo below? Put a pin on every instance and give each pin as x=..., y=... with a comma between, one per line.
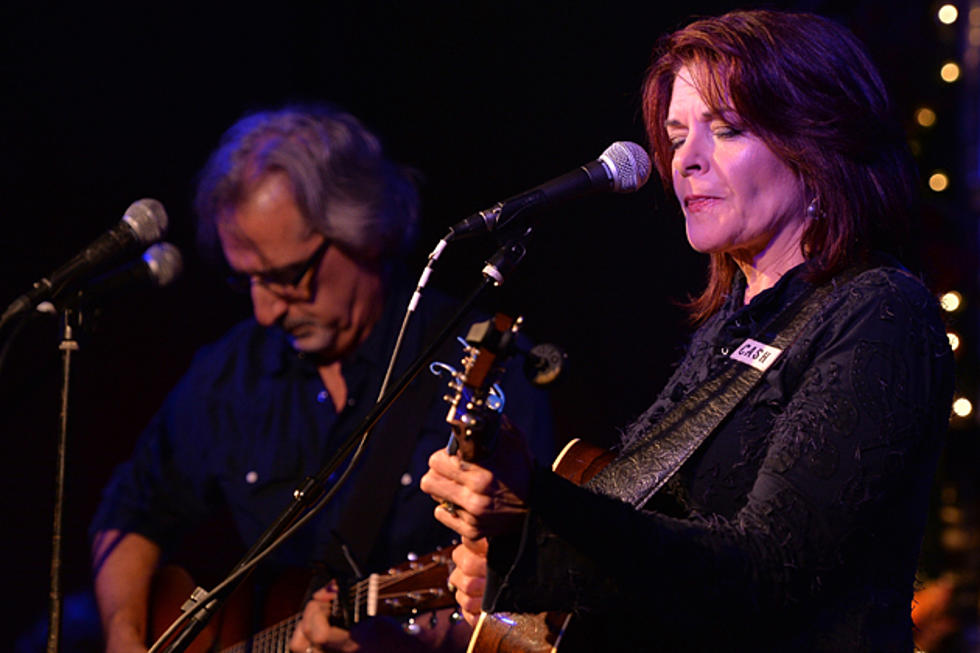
x=148, y=220
x=164, y=262
x=629, y=165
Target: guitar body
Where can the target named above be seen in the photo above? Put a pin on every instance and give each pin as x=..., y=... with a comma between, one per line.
x=246, y=611
x=579, y=461
x=508, y=632
x=412, y=588
x=171, y=586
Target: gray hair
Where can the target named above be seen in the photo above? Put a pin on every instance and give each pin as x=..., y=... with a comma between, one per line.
x=345, y=187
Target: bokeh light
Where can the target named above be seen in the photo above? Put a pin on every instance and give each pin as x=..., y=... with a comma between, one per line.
x=948, y=14
x=962, y=407
x=925, y=116
x=951, y=301
x=950, y=72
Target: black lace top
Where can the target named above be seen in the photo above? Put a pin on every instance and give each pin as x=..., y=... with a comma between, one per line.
x=796, y=525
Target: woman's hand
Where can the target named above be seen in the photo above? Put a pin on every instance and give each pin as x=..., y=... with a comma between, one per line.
x=470, y=577
x=486, y=499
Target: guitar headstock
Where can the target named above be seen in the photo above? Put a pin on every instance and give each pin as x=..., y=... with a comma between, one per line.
x=419, y=585
x=474, y=409
x=410, y=589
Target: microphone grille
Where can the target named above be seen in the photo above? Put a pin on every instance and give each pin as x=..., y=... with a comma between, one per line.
x=148, y=220
x=164, y=262
x=629, y=165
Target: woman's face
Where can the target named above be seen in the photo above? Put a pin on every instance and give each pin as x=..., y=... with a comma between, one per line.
x=737, y=196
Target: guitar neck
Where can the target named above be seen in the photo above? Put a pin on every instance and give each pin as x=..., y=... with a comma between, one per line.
x=274, y=639
x=410, y=588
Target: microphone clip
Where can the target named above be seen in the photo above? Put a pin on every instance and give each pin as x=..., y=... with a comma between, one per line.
x=500, y=265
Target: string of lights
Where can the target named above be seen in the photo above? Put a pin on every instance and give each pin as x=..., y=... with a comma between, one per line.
x=947, y=176
x=946, y=142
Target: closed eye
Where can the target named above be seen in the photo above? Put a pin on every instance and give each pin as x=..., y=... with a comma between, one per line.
x=727, y=132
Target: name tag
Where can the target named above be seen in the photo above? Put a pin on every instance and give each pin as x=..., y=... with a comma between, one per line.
x=756, y=354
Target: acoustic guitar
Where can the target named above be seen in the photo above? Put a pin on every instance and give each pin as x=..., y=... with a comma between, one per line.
x=474, y=416
x=415, y=587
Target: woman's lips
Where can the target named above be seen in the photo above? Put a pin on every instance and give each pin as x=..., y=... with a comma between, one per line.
x=696, y=203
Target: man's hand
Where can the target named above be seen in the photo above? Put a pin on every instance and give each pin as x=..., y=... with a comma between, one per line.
x=436, y=632
x=314, y=632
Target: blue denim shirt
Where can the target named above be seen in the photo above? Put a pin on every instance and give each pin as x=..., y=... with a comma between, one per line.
x=251, y=418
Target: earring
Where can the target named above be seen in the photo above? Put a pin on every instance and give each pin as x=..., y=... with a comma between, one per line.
x=813, y=210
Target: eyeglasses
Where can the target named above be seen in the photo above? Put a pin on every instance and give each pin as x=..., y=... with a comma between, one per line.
x=284, y=282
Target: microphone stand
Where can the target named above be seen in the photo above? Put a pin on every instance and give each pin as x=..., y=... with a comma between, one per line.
x=496, y=270
x=55, y=598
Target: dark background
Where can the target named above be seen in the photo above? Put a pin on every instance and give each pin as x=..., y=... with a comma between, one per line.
x=104, y=105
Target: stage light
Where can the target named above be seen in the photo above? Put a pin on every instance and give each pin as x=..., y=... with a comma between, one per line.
x=954, y=340
x=938, y=181
x=948, y=14
x=950, y=72
x=962, y=407
x=951, y=301
x=926, y=117
x=951, y=514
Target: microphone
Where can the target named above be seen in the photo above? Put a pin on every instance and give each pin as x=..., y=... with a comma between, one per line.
x=145, y=222
x=622, y=168
x=159, y=266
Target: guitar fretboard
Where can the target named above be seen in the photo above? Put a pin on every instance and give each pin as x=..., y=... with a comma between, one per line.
x=274, y=639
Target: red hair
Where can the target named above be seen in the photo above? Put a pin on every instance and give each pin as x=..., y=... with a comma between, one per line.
x=805, y=86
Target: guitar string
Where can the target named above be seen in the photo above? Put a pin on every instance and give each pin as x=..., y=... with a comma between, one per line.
x=271, y=640
x=433, y=560
x=358, y=592
x=278, y=634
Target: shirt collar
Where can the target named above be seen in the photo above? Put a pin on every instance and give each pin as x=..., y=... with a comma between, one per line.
x=788, y=287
